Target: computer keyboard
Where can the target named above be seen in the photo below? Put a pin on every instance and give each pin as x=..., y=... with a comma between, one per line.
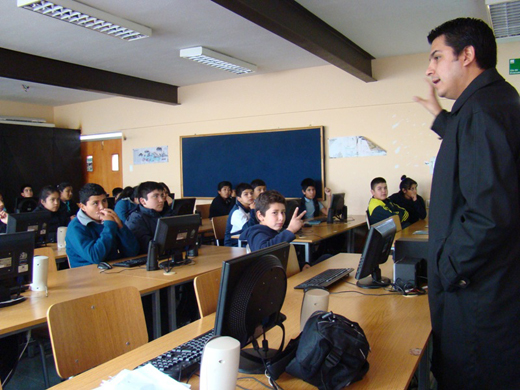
x=138, y=261
x=183, y=360
x=326, y=278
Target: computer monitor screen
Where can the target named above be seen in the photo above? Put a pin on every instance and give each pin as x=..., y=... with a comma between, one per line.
x=290, y=206
x=376, y=251
x=251, y=295
x=173, y=235
x=25, y=205
x=337, y=209
x=16, y=255
x=36, y=221
x=183, y=206
x=111, y=202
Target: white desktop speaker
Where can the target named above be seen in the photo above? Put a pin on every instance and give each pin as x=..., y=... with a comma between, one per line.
x=219, y=368
x=62, y=232
x=313, y=300
x=40, y=268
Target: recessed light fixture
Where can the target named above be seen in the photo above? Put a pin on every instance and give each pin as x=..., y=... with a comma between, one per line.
x=505, y=18
x=217, y=60
x=88, y=17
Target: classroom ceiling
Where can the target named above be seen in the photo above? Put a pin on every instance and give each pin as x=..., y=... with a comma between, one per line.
x=381, y=28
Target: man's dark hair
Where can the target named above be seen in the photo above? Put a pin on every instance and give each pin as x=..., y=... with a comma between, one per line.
x=127, y=192
x=223, y=184
x=116, y=191
x=46, y=191
x=24, y=186
x=463, y=32
x=308, y=183
x=88, y=190
x=63, y=185
x=257, y=183
x=148, y=186
x=376, y=181
x=241, y=187
x=166, y=188
x=266, y=199
x=406, y=183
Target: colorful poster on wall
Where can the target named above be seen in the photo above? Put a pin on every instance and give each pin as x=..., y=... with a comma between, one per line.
x=153, y=155
x=90, y=164
x=357, y=146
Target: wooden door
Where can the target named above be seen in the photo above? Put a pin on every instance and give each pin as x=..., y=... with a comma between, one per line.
x=97, y=159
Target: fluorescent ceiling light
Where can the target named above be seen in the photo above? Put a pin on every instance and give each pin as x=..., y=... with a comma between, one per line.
x=88, y=17
x=505, y=18
x=217, y=60
x=100, y=137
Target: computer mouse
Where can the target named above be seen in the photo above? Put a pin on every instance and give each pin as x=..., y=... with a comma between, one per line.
x=104, y=265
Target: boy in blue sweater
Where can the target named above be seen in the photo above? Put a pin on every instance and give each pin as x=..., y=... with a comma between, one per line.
x=270, y=212
x=241, y=215
x=97, y=234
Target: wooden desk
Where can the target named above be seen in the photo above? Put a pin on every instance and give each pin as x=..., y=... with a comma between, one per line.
x=397, y=328
x=82, y=281
x=314, y=234
x=410, y=230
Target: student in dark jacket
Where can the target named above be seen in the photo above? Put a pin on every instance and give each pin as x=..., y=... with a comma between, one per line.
x=126, y=203
x=66, y=195
x=380, y=207
x=309, y=201
x=50, y=201
x=223, y=203
x=152, y=206
x=408, y=199
x=270, y=212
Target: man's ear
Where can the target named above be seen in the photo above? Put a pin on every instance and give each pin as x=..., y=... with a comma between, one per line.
x=141, y=201
x=372, y=192
x=468, y=55
x=82, y=206
x=259, y=216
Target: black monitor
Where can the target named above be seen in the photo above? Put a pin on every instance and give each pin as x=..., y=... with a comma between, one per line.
x=36, y=221
x=16, y=260
x=290, y=206
x=183, y=206
x=376, y=251
x=252, y=292
x=337, y=210
x=111, y=202
x=411, y=253
x=25, y=205
x=174, y=235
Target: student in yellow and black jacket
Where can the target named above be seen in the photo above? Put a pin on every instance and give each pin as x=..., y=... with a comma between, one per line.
x=380, y=207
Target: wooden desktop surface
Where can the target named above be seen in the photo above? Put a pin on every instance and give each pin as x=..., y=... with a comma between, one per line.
x=312, y=234
x=82, y=281
x=397, y=329
x=421, y=225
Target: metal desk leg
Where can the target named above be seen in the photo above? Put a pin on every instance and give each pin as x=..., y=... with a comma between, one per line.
x=156, y=313
x=172, y=308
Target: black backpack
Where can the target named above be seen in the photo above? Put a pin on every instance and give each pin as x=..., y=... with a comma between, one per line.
x=332, y=352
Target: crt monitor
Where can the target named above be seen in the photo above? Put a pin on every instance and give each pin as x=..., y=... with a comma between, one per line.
x=251, y=295
x=337, y=209
x=174, y=235
x=25, y=205
x=183, y=206
x=16, y=255
x=36, y=221
x=376, y=251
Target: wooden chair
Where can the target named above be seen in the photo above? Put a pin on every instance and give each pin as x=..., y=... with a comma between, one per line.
x=206, y=290
x=219, y=227
x=88, y=331
x=41, y=334
x=203, y=209
x=293, y=267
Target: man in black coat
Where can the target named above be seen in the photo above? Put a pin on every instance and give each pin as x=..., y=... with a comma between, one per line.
x=474, y=264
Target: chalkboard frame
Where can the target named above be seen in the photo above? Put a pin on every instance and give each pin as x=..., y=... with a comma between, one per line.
x=280, y=157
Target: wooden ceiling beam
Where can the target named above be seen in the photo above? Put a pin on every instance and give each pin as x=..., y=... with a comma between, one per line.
x=28, y=67
x=293, y=22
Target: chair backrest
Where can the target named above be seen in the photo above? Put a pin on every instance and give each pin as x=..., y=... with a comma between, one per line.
x=203, y=209
x=397, y=222
x=206, y=290
x=46, y=251
x=219, y=227
x=91, y=330
x=368, y=219
x=293, y=267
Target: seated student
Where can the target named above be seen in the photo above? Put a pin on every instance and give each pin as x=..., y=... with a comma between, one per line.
x=65, y=189
x=97, y=234
x=50, y=201
x=309, y=201
x=408, y=199
x=241, y=215
x=380, y=207
x=3, y=215
x=169, y=197
x=223, y=203
x=143, y=221
x=116, y=191
x=258, y=187
x=127, y=202
x=270, y=212
x=26, y=191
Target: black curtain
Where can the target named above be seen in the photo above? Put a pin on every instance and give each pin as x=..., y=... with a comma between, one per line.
x=39, y=156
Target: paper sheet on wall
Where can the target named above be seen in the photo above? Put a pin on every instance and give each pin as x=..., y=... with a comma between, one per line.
x=153, y=155
x=356, y=146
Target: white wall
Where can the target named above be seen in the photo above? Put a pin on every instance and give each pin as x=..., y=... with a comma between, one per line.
x=26, y=110
x=382, y=111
